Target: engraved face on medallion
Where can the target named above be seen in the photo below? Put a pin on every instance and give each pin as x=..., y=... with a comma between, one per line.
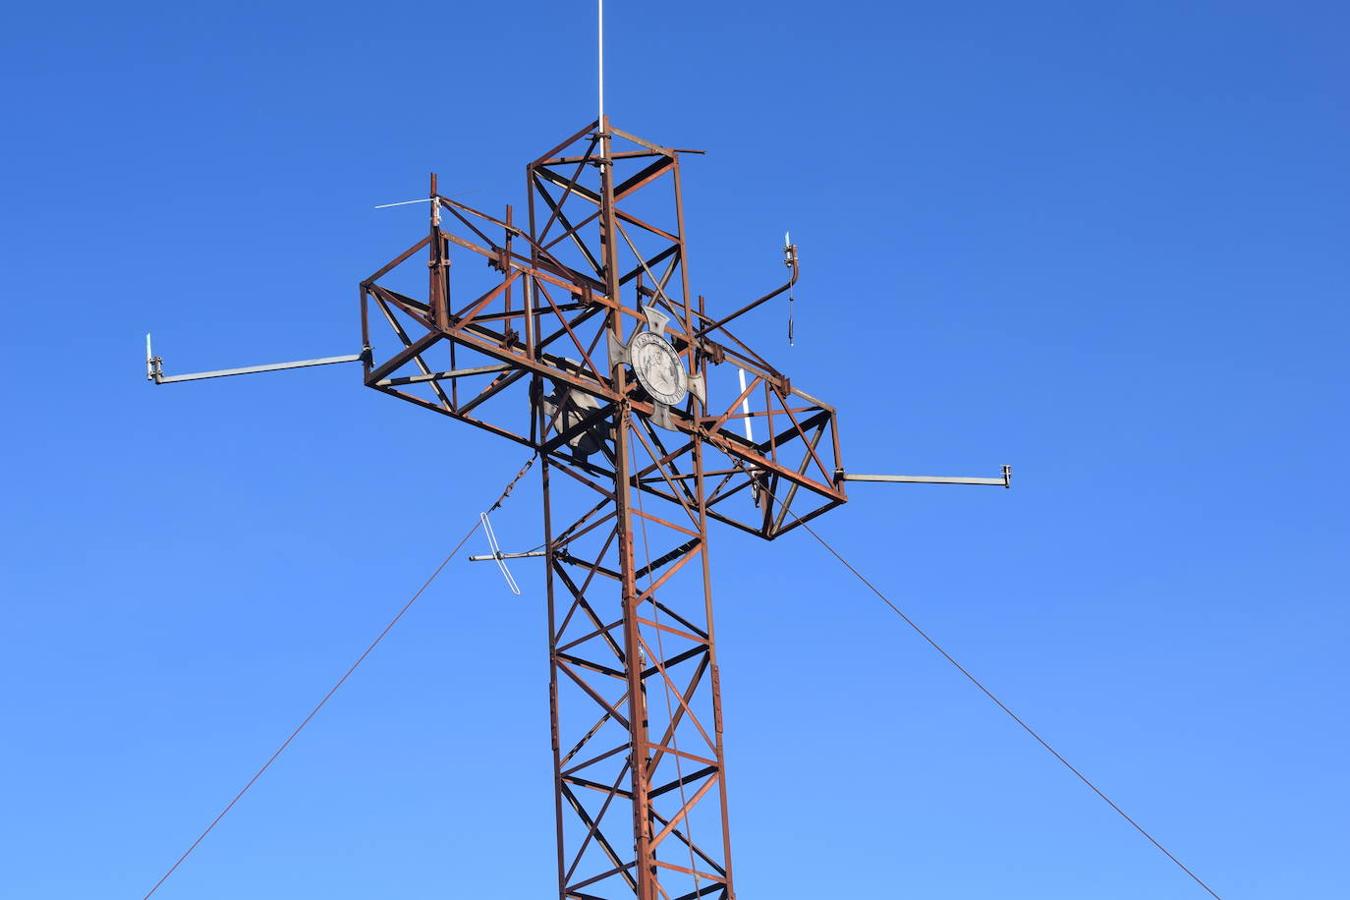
x=658, y=368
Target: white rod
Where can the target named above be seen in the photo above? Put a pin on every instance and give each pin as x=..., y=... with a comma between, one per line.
x=931, y=479
x=600, y=44
x=253, y=370
x=745, y=408
x=404, y=202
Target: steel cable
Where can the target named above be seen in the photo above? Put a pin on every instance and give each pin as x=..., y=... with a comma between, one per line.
x=999, y=703
x=341, y=681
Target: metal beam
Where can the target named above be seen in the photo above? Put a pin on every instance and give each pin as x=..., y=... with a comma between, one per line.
x=1004, y=481
x=158, y=377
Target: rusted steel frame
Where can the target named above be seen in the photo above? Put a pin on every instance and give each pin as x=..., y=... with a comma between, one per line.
x=676, y=489
x=572, y=182
x=579, y=600
x=589, y=665
x=613, y=751
x=688, y=871
x=414, y=308
x=643, y=854
x=604, y=629
x=508, y=315
x=792, y=492
x=677, y=632
x=687, y=477
x=681, y=780
x=719, y=495
x=827, y=487
x=634, y=220
x=811, y=448
x=568, y=467
x=578, y=781
x=631, y=219
x=564, y=276
x=643, y=177
x=498, y=384
x=592, y=126
x=798, y=520
x=573, y=891
x=556, y=179
x=452, y=205
x=726, y=479
x=659, y=257
x=581, y=348
x=562, y=541
x=667, y=558
x=690, y=757
x=486, y=426
x=545, y=490
x=687, y=320
x=448, y=375
x=404, y=356
x=676, y=616
x=575, y=530
x=472, y=227
x=464, y=317
x=682, y=656
x=695, y=680
x=594, y=828
x=703, y=890
x=407, y=342
x=622, y=154
x=669, y=457
x=745, y=357
x=397, y=260
x=659, y=284
x=576, y=323
x=686, y=809
x=698, y=851
x=669, y=573
x=571, y=230
x=544, y=365
x=576, y=229
x=591, y=692
x=620, y=867
x=652, y=517
x=641, y=142
x=590, y=735
x=721, y=420
x=517, y=261
x=595, y=568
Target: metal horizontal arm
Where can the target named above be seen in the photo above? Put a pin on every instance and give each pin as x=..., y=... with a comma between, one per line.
x=1005, y=481
x=488, y=557
x=154, y=367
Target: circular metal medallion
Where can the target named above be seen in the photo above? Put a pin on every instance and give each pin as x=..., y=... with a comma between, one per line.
x=658, y=368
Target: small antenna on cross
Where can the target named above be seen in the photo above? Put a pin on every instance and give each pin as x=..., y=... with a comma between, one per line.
x=790, y=260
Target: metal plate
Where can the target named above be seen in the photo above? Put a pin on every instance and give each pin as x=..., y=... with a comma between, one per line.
x=658, y=368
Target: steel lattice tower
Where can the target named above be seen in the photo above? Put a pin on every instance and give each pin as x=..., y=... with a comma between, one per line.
x=542, y=355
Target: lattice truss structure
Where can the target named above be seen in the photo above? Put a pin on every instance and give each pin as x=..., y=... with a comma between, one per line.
x=523, y=329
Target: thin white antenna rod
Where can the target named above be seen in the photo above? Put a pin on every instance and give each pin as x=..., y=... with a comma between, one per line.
x=600, y=44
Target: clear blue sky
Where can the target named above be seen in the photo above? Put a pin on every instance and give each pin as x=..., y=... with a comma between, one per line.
x=1106, y=243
